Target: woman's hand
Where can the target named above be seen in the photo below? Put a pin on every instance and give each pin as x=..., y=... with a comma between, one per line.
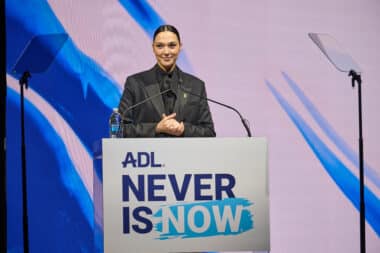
x=170, y=125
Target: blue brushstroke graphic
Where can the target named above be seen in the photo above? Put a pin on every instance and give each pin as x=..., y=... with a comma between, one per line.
x=75, y=85
x=330, y=132
x=83, y=94
x=144, y=14
x=216, y=208
x=68, y=173
x=347, y=182
x=60, y=208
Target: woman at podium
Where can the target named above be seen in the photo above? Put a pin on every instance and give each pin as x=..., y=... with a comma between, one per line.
x=165, y=101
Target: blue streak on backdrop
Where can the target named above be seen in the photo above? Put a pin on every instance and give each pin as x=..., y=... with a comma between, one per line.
x=75, y=85
x=83, y=94
x=144, y=15
x=246, y=222
x=340, y=174
x=330, y=132
x=59, y=204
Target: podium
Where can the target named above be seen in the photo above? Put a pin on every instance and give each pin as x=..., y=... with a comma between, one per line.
x=182, y=195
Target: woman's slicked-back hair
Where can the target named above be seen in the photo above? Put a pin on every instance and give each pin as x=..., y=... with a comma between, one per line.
x=167, y=28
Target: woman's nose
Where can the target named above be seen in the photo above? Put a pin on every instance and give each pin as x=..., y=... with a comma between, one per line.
x=166, y=50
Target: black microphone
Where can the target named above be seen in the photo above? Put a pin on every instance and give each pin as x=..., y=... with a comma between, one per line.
x=243, y=120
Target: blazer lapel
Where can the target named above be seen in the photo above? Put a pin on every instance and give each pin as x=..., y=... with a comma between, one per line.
x=153, y=90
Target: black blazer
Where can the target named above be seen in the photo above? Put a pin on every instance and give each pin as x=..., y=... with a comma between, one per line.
x=141, y=121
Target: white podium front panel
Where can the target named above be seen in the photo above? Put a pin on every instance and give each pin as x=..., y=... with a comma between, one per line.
x=185, y=195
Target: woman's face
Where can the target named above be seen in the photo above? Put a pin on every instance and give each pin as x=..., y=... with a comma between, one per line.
x=166, y=48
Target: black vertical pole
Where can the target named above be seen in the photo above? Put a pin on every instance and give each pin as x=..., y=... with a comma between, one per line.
x=24, y=81
x=3, y=90
x=357, y=78
x=361, y=163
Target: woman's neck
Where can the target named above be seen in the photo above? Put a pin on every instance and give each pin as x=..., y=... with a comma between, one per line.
x=167, y=70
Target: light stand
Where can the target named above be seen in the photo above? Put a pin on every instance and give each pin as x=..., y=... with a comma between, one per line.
x=24, y=81
x=36, y=57
x=345, y=63
x=357, y=78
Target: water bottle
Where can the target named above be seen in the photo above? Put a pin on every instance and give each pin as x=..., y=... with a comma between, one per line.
x=115, y=124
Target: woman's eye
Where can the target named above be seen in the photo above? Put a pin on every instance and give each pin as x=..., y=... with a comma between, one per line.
x=159, y=46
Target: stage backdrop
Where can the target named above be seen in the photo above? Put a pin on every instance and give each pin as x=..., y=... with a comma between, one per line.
x=254, y=55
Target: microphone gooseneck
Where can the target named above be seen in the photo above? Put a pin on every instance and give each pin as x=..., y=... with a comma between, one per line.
x=243, y=120
x=145, y=100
